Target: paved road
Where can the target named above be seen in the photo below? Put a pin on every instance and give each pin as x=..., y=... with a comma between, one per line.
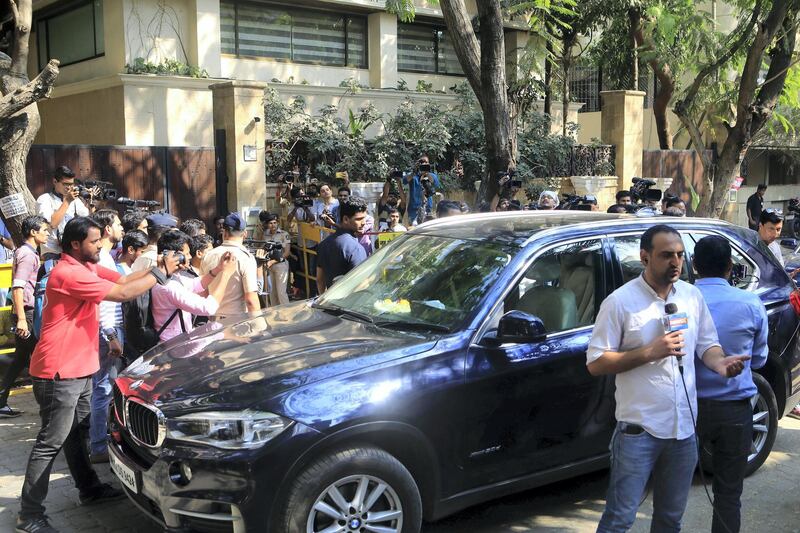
x=771, y=501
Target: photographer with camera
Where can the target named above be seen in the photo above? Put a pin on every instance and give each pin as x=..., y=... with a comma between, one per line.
x=63, y=203
x=174, y=303
x=275, y=270
x=302, y=203
x=422, y=185
x=324, y=207
x=241, y=293
x=392, y=197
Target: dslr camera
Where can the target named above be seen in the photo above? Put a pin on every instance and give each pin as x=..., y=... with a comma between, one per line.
x=107, y=190
x=394, y=174
x=303, y=201
x=575, y=202
x=642, y=191
x=265, y=251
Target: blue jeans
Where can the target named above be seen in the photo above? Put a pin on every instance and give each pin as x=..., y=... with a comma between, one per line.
x=634, y=458
x=102, y=382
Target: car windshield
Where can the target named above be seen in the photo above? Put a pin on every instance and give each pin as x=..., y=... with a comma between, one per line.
x=420, y=280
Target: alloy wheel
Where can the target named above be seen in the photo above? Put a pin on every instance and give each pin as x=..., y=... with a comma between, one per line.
x=358, y=503
x=760, y=425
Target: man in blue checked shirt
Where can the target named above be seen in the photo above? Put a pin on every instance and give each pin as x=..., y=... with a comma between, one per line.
x=725, y=416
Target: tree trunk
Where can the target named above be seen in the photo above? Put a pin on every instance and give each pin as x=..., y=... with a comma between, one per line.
x=485, y=69
x=548, y=79
x=635, y=20
x=754, y=109
x=19, y=116
x=666, y=88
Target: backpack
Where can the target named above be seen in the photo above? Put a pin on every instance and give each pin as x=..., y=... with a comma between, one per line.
x=39, y=291
x=137, y=315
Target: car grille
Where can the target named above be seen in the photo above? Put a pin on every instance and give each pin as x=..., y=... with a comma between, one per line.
x=119, y=404
x=145, y=422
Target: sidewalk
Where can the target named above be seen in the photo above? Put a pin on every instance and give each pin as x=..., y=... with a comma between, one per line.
x=63, y=508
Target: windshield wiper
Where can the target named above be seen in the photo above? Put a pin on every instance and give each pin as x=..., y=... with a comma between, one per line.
x=337, y=310
x=411, y=325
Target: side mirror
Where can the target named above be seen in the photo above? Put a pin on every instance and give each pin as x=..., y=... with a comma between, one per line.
x=518, y=327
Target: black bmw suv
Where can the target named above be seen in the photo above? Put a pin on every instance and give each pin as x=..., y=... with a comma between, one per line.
x=446, y=370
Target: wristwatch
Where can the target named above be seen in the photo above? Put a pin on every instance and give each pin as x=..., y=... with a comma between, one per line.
x=160, y=276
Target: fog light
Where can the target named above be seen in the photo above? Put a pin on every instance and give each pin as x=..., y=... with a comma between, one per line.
x=180, y=473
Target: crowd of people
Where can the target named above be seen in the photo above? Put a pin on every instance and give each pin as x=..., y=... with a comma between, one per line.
x=109, y=287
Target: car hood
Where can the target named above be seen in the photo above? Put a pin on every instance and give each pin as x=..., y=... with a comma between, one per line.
x=246, y=362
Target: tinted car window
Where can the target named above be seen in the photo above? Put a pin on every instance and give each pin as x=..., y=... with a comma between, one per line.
x=745, y=271
x=626, y=247
x=563, y=287
x=422, y=278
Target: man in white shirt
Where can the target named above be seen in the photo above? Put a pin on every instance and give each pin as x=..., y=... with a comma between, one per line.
x=58, y=207
x=656, y=400
x=157, y=225
x=770, y=225
x=112, y=339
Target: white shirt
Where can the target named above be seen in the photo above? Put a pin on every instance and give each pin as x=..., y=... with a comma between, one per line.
x=46, y=205
x=384, y=226
x=110, y=312
x=775, y=248
x=652, y=395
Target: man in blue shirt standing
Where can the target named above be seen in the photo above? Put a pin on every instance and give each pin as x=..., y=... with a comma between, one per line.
x=423, y=182
x=341, y=252
x=725, y=416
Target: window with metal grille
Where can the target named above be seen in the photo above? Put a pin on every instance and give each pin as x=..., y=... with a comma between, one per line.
x=585, y=85
x=426, y=49
x=296, y=35
x=72, y=34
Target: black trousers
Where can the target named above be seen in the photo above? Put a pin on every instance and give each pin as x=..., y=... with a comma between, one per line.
x=64, y=407
x=20, y=359
x=726, y=428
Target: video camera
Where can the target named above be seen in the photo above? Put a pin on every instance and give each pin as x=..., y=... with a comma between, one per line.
x=131, y=203
x=641, y=191
x=303, y=201
x=574, y=202
x=265, y=251
x=394, y=174
x=107, y=190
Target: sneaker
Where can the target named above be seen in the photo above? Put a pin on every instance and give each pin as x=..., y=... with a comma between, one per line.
x=97, y=458
x=7, y=412
x=40, y=524
x=101, y=493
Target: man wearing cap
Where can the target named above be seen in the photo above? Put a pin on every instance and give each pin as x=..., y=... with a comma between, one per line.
x=241, y=292
x=157, y=225
x=58, y=207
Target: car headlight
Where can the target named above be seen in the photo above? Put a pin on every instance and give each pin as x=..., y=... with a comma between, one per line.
x=234, y=430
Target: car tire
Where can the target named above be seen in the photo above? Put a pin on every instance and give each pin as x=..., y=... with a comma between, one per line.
x=386, y=486
x=765, y=428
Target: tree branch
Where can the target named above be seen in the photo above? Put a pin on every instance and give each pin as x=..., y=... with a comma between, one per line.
x=770, y=92
x=31, y=92
x=709, y=69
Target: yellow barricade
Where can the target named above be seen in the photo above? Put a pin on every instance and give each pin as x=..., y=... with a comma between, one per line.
x=309, y=233
x=6, y=337
x=387, y=236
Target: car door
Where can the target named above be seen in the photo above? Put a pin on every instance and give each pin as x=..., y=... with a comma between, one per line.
x=534, y=406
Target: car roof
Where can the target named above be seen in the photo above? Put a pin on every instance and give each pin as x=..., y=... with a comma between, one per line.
x=521, y=227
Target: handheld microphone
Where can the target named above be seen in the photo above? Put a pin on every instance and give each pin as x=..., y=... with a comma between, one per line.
x=675, y=321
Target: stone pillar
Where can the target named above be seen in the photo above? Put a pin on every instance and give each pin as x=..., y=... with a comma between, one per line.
x=382, y=43
x=204, y=36
x=604, y=188
x=622, y=125
x=239, y=111
x=515, y=42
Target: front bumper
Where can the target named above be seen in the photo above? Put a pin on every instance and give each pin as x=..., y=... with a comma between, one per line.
x=199, y=506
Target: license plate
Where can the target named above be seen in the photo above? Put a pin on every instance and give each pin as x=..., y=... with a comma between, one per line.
x=126, y=474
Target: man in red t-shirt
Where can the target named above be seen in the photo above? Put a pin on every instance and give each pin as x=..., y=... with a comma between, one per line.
x=65, y=359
